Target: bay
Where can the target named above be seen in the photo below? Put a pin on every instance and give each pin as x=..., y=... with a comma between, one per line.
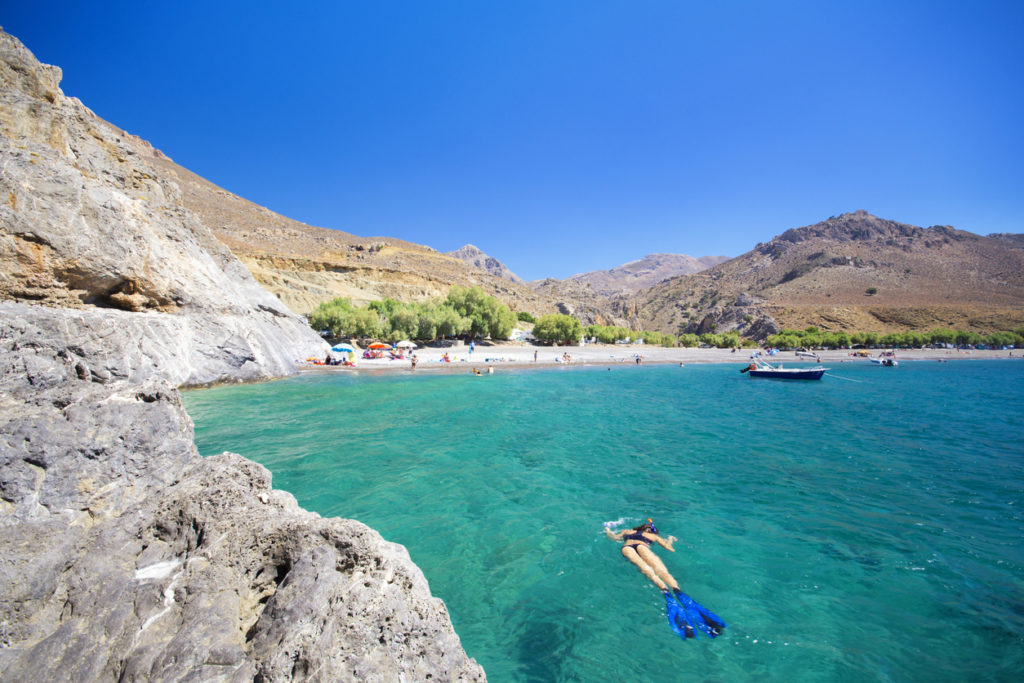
x=864, y=527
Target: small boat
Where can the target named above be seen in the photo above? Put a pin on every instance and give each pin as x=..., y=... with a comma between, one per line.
x=886, y=359
x=759, y=368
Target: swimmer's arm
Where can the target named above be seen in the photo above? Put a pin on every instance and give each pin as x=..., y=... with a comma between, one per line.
x=663, y=542
x=613, y=535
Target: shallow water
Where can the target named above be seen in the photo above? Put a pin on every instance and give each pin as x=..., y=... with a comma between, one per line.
x=865, y=527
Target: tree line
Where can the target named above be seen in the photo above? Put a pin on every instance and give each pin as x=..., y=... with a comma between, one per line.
x=470, y=312
x=812, y=337
x=466, y=311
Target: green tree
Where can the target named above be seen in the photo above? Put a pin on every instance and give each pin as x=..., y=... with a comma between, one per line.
x=608, y=334
x=728, y=340
x=344, y=319
x=487, y=316
x=450, y=323
x=942, y=336
x=837, y=340
x=1000, y=339
x=525, y=317
x=365, y=323
x=558, y=328
x=689, y=340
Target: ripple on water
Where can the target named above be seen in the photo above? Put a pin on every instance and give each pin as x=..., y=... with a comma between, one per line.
x=863, y=530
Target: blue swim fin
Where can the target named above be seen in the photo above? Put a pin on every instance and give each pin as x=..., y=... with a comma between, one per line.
x=699, y=616
x=677, y=620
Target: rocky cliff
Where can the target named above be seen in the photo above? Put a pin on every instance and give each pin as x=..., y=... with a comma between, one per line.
x=305, y=265
x=643, y=273
x=471, y=255
x=853, y=272
x=126, y=556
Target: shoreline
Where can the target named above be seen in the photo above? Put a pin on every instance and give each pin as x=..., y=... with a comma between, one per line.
x=521, y=357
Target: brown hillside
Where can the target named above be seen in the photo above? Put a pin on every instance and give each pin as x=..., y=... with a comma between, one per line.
x=851, y=272
x=643, y=273
x=305, y=265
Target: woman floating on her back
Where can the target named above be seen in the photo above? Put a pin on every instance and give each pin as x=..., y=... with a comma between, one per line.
x=685, y=615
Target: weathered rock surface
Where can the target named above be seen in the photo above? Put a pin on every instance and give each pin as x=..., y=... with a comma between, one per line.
x=123, y=554
x=643, y=273
x=473, y=256
x=819, y=275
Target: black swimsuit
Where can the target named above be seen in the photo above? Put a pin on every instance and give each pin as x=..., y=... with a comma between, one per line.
x=635, y=536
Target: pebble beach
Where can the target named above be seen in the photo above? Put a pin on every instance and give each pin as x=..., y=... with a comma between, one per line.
x=525, y=356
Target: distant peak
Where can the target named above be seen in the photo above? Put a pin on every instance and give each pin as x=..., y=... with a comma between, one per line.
x=475, y=257
x=468, y=252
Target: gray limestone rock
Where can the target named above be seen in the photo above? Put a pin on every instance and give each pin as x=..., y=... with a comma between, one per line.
x=124, y=555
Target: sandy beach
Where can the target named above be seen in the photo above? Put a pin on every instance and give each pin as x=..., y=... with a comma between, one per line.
x=518, y=356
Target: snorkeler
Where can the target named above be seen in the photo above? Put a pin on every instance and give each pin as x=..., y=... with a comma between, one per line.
x=685, y=615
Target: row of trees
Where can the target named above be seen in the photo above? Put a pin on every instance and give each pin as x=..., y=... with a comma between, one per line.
x=466, y=311
x=568, y=330
x=469, y=311
x=812, y=337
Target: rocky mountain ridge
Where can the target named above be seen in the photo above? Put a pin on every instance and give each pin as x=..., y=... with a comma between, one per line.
x=304, y=265
x=644, y=272
x=127, y=556
x=850, y=272
x=472, y=255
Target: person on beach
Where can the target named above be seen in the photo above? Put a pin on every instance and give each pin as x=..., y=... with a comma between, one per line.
x=684, y=615
x=535, y=355
x=413, y=361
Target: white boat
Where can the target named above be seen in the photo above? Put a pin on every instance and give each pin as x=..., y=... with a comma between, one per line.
x=760, y=368
x=886, y=359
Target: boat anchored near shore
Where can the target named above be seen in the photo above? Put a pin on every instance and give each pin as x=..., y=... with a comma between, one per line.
x=763, y=369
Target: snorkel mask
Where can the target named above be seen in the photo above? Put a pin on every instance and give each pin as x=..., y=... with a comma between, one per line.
x=651, y=524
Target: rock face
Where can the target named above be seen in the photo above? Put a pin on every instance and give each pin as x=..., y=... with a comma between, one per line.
x=820, y=275
x=478, y=259
x=126, y=556
x=643, y=273
x=85, y=222
x=305, y=265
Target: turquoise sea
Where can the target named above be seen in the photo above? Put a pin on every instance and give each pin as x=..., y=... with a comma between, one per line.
x=867, y=527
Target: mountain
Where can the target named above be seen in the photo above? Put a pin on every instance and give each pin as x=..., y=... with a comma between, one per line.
x=644, y=273
x=126, y=554
x=850, y=272
x=474, y=257
x=304, y=265
x=1014, y=240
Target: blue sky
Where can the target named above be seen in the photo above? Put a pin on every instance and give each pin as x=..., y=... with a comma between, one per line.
x=562, y=137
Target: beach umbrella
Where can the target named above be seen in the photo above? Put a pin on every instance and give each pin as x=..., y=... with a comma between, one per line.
x=342, y=348
x=405, y=345
x=380, y=345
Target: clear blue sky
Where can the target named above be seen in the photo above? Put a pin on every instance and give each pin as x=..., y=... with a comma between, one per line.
x=562, y=137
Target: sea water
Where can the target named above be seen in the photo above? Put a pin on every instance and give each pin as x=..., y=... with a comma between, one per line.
x=866, y=527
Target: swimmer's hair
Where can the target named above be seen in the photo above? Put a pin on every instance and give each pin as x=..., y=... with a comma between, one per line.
x=646, y=526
